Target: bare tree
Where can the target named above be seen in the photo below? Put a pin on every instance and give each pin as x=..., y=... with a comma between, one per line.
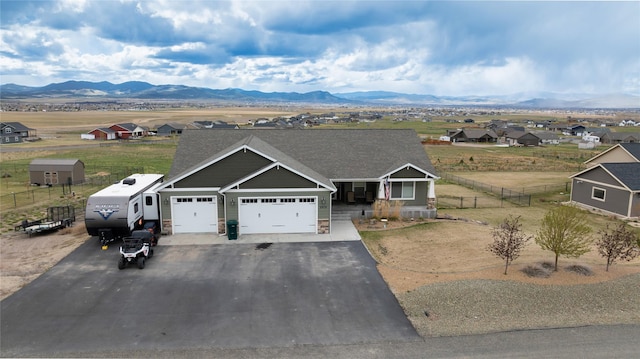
x=618, y=243
x=508, y=240
x=565, y=232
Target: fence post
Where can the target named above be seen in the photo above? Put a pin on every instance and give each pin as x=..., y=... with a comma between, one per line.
x=475, y=202
x=461, y=199
x=15, y=204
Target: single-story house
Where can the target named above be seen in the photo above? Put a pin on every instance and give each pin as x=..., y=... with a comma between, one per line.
x=521, y=138
x=103, y=133
x=14, y=132
x=620, y=137
x=613, y=188
x=128, y=130
x=214, y=124
x=290, y=181
x=547, y=137
x=474, y=135
x=171, y=129
x=56, y=171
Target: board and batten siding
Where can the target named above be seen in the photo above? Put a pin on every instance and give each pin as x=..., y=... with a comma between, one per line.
x=229, y=169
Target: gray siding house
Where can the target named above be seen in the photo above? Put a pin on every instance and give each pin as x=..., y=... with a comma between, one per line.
x=612, y=183
x=290, y=181
x=43, y=171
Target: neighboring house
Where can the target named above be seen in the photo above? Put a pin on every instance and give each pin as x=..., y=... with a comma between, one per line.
x=44, y=171
x=520, y=138
x=620, y=153
x=547, y=137
x=620, y=137
x=611, y=183
x=576, y=130
x=290, y=181
x=102, y=134
x=171, y=129
x=14, y=132
x=613, y=188
x=128, y=130
x=214, y=124
x=474, y=135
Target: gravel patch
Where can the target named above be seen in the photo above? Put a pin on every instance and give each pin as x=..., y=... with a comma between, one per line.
x=484, y=306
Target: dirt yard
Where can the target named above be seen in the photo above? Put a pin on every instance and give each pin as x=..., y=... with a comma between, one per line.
x=413, y=256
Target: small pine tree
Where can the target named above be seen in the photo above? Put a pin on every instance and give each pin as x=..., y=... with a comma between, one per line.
x=618, y=243
x=508, y=240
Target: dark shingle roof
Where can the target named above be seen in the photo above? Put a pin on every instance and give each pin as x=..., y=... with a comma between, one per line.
x=627, y=173
x=632, y=148
x=333, y=153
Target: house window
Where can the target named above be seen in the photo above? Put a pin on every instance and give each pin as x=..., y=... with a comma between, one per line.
x=7, y=130
x=598, y=193
x=402, y=190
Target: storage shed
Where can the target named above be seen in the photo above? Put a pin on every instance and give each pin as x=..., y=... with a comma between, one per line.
x=45, y=171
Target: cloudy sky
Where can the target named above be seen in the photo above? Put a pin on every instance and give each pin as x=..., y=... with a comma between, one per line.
x=421, y=47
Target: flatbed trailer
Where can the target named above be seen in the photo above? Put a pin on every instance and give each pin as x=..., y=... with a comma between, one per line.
x=57, y=218
x=46, y=226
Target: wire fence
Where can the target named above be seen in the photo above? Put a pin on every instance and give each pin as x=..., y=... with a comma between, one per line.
x=460, y=202
x=520, y=196
x=54, y=193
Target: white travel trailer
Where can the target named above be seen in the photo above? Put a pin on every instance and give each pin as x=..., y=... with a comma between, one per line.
x=115, y=211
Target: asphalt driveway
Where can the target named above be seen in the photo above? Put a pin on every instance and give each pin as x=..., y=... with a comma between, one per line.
x=204, y=296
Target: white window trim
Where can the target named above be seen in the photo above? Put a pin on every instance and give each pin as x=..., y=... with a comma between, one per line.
x=604, y=197
x=413, y=191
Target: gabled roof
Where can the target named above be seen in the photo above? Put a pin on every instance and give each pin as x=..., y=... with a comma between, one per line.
x=127, y=126
x=476, y=133
x=15, y=125
x=519, y=134
x=546, y=135
x=175, y=125
x=628, y=174
x=633, y=149
x=103, y=129
x=329, y=153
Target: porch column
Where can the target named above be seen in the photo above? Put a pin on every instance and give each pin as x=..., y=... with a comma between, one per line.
x=431, y=195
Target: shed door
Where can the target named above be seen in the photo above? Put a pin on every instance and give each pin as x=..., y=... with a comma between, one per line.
x=277, y=215
x=198, y=214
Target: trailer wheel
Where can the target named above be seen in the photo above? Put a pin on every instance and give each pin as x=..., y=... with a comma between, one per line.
x=140, y=262
x=122, y=263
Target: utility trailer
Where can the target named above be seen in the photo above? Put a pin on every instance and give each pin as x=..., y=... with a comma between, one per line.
x=115, y=211
x=57, y=218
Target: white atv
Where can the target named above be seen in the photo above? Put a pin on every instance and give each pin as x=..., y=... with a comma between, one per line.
x=136, y=249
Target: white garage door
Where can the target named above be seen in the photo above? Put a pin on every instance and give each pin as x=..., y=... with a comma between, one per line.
x=194, y=214
x=277, y=215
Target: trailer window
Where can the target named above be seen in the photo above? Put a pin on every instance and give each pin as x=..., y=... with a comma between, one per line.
x=135, y=208
x=148, y=200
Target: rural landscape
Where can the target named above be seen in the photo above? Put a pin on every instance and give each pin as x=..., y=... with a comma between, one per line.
x=440, y=270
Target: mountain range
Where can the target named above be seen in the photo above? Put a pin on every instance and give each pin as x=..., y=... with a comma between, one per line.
x=143, y=90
